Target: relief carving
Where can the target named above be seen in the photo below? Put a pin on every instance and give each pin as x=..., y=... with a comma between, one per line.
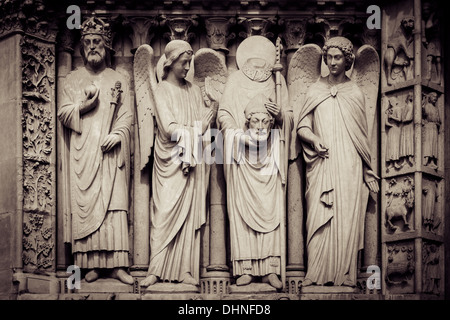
x=37, y=241
x=399, y=55
x=431, y=122
x=431, y=268
x=400, y=202
x=400, y=132
x=432, y=42
x=431, y=216
x=400, y=267
x=38, y=85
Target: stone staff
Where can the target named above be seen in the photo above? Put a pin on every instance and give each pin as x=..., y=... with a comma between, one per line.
x=277, y=68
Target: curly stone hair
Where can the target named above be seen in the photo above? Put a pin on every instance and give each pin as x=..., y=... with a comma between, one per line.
x=342, y=44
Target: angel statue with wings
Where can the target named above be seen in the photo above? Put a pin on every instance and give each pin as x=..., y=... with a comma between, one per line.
x=253, y=102
x=180, y=176
x=334, y=126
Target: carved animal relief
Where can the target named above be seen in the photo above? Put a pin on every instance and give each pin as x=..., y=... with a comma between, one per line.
x=400, y=204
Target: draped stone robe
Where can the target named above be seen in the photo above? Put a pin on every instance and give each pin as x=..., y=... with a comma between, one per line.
x=178, y=206
x=255, y=190
x=99, y=182
x=335, y=196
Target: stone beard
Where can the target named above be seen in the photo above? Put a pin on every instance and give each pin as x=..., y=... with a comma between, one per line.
x=99, y=177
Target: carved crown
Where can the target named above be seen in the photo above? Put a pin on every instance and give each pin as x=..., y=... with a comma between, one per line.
x=96, y=26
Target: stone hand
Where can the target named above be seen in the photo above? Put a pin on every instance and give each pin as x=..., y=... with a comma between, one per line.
x=206, y=120
x=274, y=110
x=91, y=100
x=320, y=148
x=371, y=180
x=110, y=141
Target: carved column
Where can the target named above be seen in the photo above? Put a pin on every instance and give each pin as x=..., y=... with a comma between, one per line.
x=217, y=277
x=141, y=34
x=413, y=166
x=65, y=42
x=293, y=36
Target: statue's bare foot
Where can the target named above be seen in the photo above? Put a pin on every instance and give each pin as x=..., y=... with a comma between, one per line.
x=92, y=275
x=306, y=283
x=274, y=281
x=150, y=280
x=122, y=275
x=189, y=279
x=244, y=280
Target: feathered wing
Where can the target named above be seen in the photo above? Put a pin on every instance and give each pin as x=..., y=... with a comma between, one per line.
x=145, y=86
x=303, y=71
x=366, y=73
x=210, y=74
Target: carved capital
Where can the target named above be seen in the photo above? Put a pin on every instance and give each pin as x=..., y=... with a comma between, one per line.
x=294, y=33
x=179, y=27
x=218, y=33
x=141, y=29
x=256, y=26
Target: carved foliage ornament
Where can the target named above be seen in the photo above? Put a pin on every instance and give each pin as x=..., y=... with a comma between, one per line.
x=37, y=241
x=38, y=85
x=27, y=16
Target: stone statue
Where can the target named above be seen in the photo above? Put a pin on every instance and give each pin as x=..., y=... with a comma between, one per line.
x=255, y=162
x=95, y=108
x=180, y=178
x=400, y=50
x=432, y=277
x=431, y=122
x=393, y=125
x=407, y=131
x=333, y=128
x=432, y=42
x=430, y=212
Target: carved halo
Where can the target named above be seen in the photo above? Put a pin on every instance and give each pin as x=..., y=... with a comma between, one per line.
x=256, y=47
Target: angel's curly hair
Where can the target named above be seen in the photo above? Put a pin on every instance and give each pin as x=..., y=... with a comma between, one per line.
x=342, y=44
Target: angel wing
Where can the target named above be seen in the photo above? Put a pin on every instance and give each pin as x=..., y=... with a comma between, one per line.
x=210, y=74
x=145, y=85
x=366, y=73
x=303, y=71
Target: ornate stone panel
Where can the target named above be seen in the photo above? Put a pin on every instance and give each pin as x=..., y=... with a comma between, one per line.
x=39, y=181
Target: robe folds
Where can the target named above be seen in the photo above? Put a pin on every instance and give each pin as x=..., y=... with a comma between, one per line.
x=255, y=189
x=178, y=205
x=99, y=182
x=336, y=194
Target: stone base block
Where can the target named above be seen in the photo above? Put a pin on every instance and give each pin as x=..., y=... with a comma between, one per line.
x=261, y=288
x=328, y=290
x=104, y=286
x=170, y=288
